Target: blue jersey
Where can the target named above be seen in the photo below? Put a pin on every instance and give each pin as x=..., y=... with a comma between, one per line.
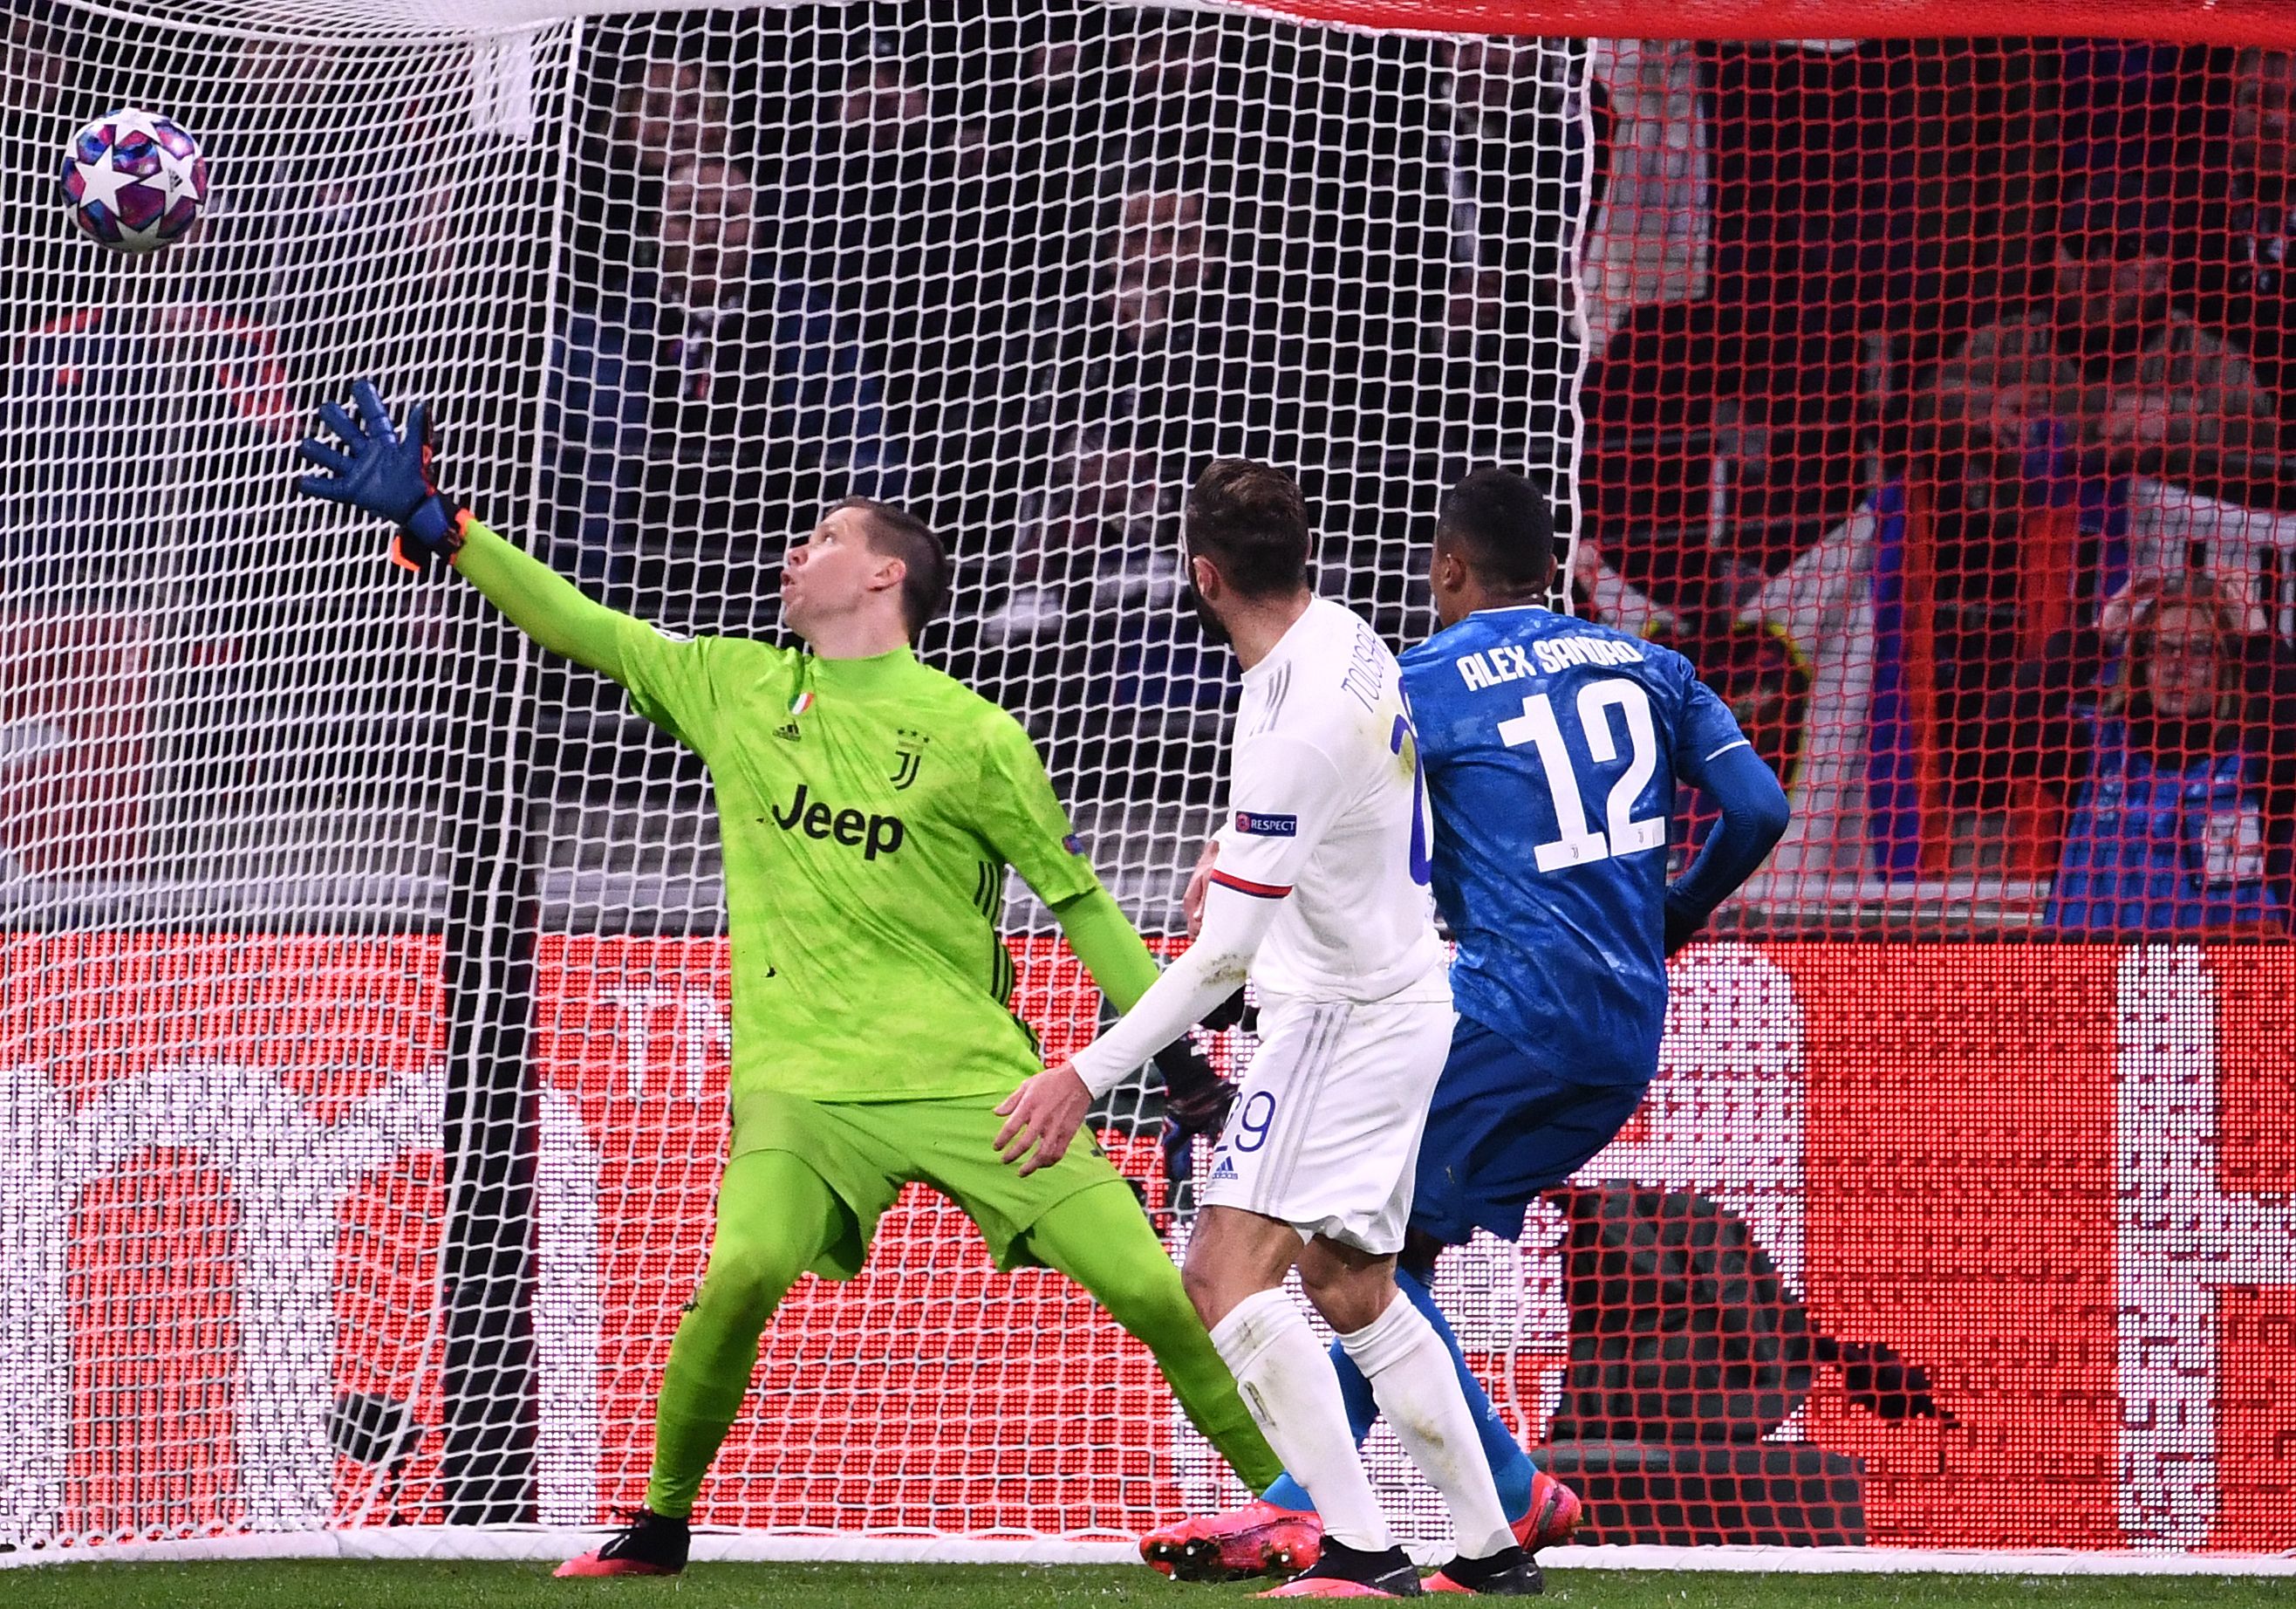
x=2151, y=849
x=1552, y=747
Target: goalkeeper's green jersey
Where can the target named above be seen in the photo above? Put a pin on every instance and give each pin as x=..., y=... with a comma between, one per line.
x=868, y=809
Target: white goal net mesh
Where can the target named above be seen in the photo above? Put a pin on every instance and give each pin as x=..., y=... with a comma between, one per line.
x=362, y=974
x=670, y=282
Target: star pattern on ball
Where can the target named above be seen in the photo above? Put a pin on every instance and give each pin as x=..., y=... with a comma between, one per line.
x=101, y=183
x=181, y=172
x=133, y=122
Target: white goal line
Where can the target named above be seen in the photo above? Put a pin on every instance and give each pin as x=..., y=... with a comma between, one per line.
x=547, y=1545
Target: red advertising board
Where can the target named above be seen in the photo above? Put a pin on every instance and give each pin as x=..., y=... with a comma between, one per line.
x=2056, y=1181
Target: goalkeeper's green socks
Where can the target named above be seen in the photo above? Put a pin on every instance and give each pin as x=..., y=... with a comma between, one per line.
x=775, y=1217
x=1101, y=1239
x=684, y=1447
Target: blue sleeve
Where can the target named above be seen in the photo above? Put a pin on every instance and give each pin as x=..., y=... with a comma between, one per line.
x=1704, y=728
x=1753, y=819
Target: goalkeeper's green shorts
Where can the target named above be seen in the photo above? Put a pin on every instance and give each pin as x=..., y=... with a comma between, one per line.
x=865, y=1151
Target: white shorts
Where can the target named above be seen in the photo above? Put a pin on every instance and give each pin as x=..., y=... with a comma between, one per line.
x=1324, y=1133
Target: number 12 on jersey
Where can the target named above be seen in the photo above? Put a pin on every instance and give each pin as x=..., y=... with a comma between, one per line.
x=1582, y=842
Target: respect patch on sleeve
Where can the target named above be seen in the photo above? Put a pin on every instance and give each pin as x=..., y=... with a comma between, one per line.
x=1261, y=825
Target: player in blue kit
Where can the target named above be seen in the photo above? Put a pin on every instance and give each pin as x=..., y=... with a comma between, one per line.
x=1551, y=748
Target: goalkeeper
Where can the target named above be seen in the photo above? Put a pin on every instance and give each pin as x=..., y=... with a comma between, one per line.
x=868, y=808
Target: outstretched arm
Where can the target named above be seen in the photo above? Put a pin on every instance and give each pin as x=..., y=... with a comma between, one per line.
x=1046, y=1110
x=1278, y=780
x=544, y=605
x=1196, y=1098
x=387, y=472
x=1213, y=968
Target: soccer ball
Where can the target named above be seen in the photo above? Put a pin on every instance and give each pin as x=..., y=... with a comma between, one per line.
x=134, y=181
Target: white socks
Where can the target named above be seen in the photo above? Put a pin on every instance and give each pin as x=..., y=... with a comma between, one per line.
x=1288, y=1382
x=1416, y=1388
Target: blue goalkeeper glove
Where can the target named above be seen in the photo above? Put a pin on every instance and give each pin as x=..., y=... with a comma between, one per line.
x=387, y=473
x=1196, y=1100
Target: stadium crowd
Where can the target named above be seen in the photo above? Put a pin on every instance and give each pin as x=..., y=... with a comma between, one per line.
x=1930, y=388
x=1985, y=363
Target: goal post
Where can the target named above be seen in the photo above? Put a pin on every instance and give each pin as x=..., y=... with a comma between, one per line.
x=363, y=1005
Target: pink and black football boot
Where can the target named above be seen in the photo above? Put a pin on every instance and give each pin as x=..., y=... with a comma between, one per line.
x=1345, y=1572
x=648, y=1544
x=1509, y=1572
x=1258, y=1539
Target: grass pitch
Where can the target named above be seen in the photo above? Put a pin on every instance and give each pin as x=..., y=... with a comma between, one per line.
x=376, y=1584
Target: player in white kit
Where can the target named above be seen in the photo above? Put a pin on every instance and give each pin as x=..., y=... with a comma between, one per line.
x=1319, y=893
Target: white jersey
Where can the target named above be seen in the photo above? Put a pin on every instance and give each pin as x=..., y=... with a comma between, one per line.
x=1326, y=806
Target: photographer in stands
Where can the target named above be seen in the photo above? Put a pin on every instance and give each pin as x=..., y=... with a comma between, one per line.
x=2176, y=764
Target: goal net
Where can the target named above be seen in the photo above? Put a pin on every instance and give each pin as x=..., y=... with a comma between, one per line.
x=363, y=978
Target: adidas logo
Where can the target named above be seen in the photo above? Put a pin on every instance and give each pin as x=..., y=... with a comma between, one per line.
x=788, y=729
x=1223, y=1169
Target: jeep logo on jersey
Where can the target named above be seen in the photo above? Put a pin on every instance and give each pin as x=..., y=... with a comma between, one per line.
x=873, y=835
x=1267, y=827
x=910, y=748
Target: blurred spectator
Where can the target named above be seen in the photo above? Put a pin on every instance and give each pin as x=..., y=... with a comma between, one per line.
x=1147, y=347
x=1104, y=506
x=672, y=110
x=2169, y=730
x=1517, y=192
x=2127, y=105
x=33, y=62
x=2264, y=146
x=2162, y=396
x=895, y=207
x=88, y=523
x=39, y=252
x=2243, y=288
x=1787, y=121
x=1911, y=612
x=303, y=233
x=1044, y=130
x=1107, y=382
x=883, y=105
x=1094, y=605
x=275, y=237
x=1130, y=393
x=2171, y=528
x=2173, y=413
x=1650, y=239
x=664, y=110
x=1718, y=429
x=1159, y=258
x=1863, y=186
x=712, y=408
x=864, y=206
x=1170, y=101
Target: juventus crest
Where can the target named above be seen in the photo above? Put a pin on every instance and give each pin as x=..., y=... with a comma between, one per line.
x=909, y=746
